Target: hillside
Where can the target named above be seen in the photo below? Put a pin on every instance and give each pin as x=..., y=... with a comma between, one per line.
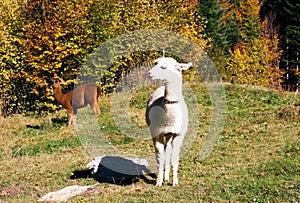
x=256, y=158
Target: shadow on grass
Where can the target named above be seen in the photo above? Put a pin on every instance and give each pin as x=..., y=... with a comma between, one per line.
x=116, y=170
x=36, y=127
x=55, y=121
x=59, y=121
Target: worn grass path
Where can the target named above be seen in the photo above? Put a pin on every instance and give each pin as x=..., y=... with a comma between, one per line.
x=256, y=159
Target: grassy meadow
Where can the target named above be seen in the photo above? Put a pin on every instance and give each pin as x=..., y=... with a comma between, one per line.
x=255, y=160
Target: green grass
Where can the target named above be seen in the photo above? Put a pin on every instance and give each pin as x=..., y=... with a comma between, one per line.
x=49, y=146
x=255, y=160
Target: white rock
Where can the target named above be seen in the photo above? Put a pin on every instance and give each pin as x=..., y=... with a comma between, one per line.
x=66, y=193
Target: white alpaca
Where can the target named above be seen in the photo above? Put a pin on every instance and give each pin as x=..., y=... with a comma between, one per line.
x=167, y=116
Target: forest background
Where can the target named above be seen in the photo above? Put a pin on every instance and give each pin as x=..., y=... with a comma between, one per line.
x=250, y=41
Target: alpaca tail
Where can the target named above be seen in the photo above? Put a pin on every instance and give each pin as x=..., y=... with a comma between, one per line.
x=98, y=91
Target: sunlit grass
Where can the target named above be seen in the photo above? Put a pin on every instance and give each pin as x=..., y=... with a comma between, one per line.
x=255, y=160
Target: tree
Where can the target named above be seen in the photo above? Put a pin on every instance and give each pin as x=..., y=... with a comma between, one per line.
x=46, y=38
x=286, y=18
x=127, y=16
x=254, y=58
x=221, y=33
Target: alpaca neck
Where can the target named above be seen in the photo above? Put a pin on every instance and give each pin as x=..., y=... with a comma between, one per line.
x=173, y=92
x=58, y=94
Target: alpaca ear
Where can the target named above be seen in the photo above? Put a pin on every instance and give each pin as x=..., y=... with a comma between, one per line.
x=157, y=60
x=185, y=66
x=56, y=79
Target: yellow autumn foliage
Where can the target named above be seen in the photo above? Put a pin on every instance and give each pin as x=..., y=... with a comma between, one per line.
x=255, y=65
x=42, y=39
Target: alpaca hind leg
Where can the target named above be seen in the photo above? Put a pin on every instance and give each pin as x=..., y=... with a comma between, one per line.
x=95, y=107
x=74, y=117
x=176, y=144
x=160, y=159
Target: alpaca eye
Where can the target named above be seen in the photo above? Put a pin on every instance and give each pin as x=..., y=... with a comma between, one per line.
x=178, y=69
x=163, y=67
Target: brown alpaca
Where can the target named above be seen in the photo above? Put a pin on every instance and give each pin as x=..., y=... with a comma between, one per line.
x=83, y=95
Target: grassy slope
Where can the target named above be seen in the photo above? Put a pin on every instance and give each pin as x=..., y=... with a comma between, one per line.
x=257, y=158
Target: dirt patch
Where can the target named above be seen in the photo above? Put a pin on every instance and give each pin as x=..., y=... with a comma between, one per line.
x=290, y=113
x=13, y=190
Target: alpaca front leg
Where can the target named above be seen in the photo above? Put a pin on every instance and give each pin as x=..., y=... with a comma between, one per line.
x=70, y=117
x=175, y=157
x=160, y=159
x=160, y=174
x=175, y=175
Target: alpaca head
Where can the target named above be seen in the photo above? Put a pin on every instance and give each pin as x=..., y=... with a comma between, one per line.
x=55, y=82
x=168, y=69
